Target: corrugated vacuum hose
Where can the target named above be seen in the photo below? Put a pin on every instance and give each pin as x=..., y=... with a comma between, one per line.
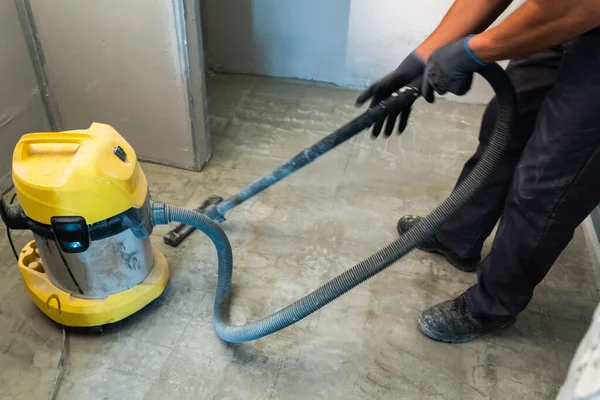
x=163, y=214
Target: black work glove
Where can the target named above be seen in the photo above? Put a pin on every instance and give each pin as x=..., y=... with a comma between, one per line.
x=411, y=68
x=450, y=69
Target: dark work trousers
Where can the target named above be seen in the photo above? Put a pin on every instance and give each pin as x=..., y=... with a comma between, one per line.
x=548, y=183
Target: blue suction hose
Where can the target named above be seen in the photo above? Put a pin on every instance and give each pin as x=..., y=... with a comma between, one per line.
x=164, y=214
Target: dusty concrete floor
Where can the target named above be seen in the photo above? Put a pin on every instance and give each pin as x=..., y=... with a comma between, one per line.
x=287, y=241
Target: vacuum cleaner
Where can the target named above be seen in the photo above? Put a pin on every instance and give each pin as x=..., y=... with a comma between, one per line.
x=85, y=197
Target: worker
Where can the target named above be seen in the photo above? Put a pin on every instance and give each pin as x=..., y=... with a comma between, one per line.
x=549, y=180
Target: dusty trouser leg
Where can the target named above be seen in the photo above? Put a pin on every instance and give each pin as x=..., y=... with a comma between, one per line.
x=554, y=188
x=532, y=77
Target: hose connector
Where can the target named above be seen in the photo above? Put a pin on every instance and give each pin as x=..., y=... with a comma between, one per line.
x=213, y=212
x=159, y=213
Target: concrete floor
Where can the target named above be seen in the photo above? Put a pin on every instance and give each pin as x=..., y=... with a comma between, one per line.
x=289, y=240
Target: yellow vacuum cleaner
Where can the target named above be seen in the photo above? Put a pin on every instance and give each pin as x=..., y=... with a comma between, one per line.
x=86, y=200
x=85, y=197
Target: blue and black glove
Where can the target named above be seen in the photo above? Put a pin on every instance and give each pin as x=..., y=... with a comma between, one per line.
x=411, y=68
x=450, y=69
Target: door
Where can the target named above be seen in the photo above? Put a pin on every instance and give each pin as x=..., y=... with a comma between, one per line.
x=21, y=106
x=127, y=64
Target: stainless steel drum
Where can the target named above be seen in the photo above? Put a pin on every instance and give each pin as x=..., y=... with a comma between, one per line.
x=108, y=266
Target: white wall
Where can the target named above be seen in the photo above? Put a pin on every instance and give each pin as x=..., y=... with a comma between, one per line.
x=347, y=42
x=383, y=32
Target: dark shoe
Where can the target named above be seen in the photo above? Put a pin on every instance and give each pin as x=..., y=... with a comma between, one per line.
x=450, y=322
x=434, y=246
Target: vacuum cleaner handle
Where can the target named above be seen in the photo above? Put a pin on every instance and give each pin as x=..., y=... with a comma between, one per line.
x=416, y=84
x=401, y=99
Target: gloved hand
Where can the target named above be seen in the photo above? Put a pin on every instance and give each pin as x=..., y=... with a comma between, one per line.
x=450, y=69
x=411, y=68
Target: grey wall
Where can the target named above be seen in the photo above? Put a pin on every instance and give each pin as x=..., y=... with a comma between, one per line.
x=124, y=63
x=21, y=108
x=347, y=42
x=303, y=39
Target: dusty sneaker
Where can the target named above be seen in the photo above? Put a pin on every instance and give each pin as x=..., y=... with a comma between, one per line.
x=450, y=322
x=434, y=246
